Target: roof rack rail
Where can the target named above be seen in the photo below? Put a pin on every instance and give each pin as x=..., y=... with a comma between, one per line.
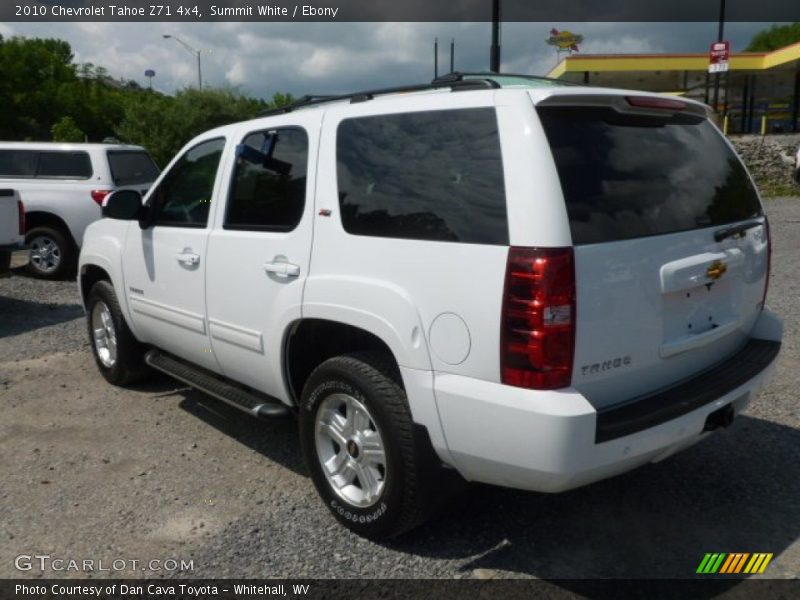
x=363, y=96
x=456, y=76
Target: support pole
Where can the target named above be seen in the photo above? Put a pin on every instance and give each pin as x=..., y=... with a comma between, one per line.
x=796, y=103
x=494, y=53
x=435, y=58
x=720, y=35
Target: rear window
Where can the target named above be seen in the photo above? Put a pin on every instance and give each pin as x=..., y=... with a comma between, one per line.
x=64, y=165
x=131, y=168
x=627, y=176
x=435, y=175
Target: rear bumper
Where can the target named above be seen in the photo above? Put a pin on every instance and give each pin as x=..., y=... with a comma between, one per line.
x=13, y=257
x=547, y=441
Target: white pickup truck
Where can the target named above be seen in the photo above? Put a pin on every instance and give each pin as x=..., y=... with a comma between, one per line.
x=13, y=252
x=521, y=283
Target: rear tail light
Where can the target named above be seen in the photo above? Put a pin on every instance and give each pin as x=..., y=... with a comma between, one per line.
x=769, y=261
x=100, y=195
x=21, y=217
x=537, y=338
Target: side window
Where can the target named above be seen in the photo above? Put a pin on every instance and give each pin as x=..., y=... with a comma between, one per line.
x=434, y=175
x=64, y=165
x=268, y=190
x=184, y=195
x=18, y=163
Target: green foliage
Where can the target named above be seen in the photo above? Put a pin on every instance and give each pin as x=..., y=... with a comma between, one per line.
x=66, y=130
x=46, y=95
x=775, y=37
x=163, y=124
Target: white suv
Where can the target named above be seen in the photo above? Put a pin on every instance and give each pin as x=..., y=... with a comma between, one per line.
x=63, y=187
x=534, y=286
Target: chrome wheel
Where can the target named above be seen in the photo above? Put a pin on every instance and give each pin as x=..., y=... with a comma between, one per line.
x=350, y=450
x=105, y=335
x=45, y=254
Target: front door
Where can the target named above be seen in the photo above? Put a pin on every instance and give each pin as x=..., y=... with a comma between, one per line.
x=259, y=251
x=164, y=265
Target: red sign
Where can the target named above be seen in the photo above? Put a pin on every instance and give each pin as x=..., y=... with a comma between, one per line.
x=718, y=57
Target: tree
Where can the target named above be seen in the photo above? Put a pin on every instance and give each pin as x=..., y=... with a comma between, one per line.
x=775, y=37
x=65, y=130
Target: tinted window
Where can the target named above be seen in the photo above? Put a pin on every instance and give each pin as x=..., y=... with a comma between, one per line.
x=431, y=176
x=66, y=165
x=18, y=163
x=184, y=195
x=132, y=168
x=269, y=184
x=627, y=176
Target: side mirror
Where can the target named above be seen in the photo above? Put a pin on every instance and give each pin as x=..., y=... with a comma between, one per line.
x=125, y=205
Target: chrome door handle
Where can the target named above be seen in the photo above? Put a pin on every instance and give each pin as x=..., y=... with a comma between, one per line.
x=188, y=258
x=282, y=268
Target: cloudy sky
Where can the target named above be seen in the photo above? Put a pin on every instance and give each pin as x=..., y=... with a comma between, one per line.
x=324, y=58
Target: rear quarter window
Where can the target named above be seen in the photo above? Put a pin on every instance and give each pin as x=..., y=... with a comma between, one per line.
x=131, y=167
x=626, y=176
x=434, y=175
x=64, y=165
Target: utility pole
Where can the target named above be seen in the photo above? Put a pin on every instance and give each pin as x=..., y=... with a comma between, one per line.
x=720, y=35
x=494, y=52
x=453, y=55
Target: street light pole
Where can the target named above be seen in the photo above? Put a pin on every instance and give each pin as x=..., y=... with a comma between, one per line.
x=191, y=50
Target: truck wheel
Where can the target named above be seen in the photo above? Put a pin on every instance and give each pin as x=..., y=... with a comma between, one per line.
x=357, y=438
x=118, y=354
x=52, y=253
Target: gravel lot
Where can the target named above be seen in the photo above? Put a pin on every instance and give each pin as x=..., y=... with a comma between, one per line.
x=164, y=472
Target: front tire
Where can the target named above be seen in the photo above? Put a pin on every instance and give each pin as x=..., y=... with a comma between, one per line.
x=357, y=438
x=52, y=253
x=118, y=354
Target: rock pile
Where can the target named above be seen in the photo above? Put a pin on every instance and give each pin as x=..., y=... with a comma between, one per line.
x=771, y=161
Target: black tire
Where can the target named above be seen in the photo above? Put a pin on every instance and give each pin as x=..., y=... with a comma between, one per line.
x=63, y=251
x=374, y=381
x=128, y=366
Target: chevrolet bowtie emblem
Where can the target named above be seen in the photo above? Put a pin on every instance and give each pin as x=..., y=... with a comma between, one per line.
x=716, y=270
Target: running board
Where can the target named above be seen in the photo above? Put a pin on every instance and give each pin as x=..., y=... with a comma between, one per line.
x=254, y=403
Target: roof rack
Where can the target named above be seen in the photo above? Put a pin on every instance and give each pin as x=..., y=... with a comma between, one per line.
x=315, y=100
x=457, y=76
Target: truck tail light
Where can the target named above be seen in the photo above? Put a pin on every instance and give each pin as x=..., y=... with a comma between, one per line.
x=21, y=217
x=537, y=337
x=100, y=195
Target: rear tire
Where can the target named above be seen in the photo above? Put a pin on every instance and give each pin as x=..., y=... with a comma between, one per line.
x=52, y=253
x=118, y=354
x=357, y=437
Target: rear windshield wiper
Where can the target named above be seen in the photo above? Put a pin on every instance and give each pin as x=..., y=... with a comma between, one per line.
x=724, y=234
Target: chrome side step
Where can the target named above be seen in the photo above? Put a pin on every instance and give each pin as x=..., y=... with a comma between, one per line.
x=258, y=405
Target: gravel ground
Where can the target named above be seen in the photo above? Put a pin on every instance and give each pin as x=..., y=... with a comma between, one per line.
x=164, y=472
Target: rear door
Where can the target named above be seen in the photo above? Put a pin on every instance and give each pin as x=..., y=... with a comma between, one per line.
x=664, y=289
x=259, y=251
